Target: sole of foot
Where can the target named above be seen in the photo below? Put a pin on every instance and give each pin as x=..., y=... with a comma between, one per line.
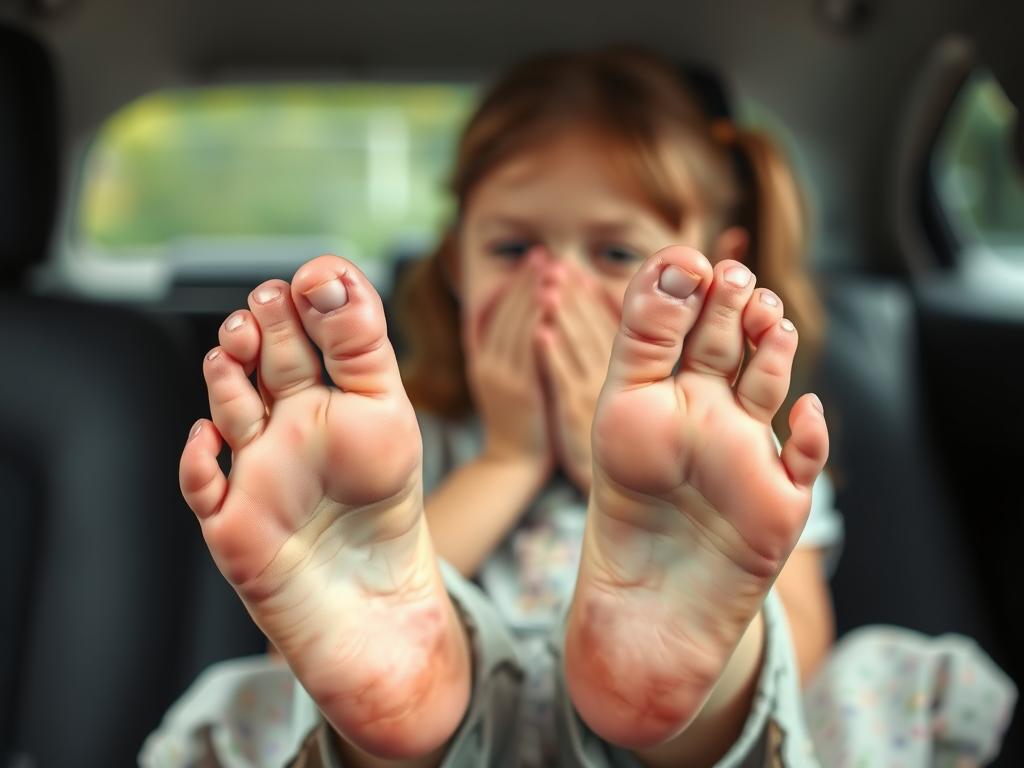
x=319, y=526
x=693, y=511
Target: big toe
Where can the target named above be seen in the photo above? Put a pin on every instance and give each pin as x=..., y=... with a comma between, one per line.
x=344, y=316
x=661, y=305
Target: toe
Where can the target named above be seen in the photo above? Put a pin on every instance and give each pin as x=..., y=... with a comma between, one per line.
x=715, y=345
x=202, y=482
x=762, y=312
x=344, y=315
x=287, y=362
x=765, y=382
x=239, y=334
x=806, y=451
x=237, y=409
x=661, y=304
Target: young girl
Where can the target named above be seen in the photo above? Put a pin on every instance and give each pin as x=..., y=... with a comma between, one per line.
x=595, y=403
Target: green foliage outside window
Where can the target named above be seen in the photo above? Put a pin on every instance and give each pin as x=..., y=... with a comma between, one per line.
x=980, y=181
x=363, y=163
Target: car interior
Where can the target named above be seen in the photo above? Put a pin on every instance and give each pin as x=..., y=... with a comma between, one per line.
x=903, y=120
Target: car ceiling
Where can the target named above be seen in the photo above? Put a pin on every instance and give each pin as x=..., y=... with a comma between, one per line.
x=842, y=88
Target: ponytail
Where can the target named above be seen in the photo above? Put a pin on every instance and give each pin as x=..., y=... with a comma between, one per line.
x=433, y=370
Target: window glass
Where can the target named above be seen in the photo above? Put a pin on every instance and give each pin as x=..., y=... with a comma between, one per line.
x=360, y=165
x=979, y=179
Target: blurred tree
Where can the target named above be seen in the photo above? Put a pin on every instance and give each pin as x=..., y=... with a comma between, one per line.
x=364, y=163
x=980, y=183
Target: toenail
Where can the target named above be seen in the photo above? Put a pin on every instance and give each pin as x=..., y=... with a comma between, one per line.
x=196, y=429
x=213, y=355
x=787, y=325
x=234, y=322
x=738, y=276
x=266, y=294
x=677, y=282
x=816, y=403
x=328, y=296
x=769, y=298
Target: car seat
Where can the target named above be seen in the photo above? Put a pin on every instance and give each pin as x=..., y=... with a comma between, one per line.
x=95, y=403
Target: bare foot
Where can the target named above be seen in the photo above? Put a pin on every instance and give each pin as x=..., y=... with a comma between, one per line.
x=693, y=512
x=319, y=526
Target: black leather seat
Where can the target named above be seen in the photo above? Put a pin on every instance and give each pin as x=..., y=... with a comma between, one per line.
x=904, y=559
x=102, y=619
x=100, y=555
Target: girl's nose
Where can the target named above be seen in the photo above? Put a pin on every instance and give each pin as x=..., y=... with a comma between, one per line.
x=555, y=272
x=537, y=257
x=548, y=266
x=552, y=265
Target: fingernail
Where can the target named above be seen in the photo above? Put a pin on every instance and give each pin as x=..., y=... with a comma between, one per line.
x=677, y=282
x=234, y=322
x=817, y=404
x=787, y=325
x=328, y=296
x=266, y=294
x=213, y=355
x=769, y=298
x=196, y=429
x=737, y=276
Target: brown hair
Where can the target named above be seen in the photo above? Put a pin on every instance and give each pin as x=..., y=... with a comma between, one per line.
x=682, y=160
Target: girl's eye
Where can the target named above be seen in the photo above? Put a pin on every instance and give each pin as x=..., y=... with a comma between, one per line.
x=511, y=249
x=618, y=255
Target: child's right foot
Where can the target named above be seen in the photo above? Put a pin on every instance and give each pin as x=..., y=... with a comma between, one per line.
x=320, y=526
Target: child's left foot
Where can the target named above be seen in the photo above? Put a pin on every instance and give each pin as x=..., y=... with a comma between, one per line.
x=692, y=512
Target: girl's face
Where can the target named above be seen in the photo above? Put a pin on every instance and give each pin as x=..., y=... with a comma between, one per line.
x=564, y=206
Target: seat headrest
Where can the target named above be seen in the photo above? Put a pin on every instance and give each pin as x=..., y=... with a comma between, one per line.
x=28, y=151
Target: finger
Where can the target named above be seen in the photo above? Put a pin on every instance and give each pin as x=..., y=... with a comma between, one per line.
x=661, y=305
x=558, y=361
x=522, y=354
x=764, y=383
x=237, y=408
x=508, y=320
x=715, y=345
x=202, y=482
x=287, y=363
x=525, y=277
x=239, y=334
x=806, y=451
x=573, y=415
x=343, y=314
x=574, y=338
x=597, y=325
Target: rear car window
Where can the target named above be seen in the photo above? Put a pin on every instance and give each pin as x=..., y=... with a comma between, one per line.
x=218, y=172
x=978, y=173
